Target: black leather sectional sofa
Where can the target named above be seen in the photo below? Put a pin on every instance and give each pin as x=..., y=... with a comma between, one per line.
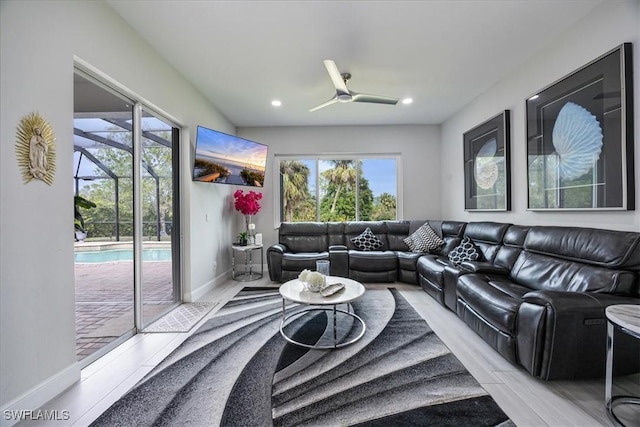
x=537, y=294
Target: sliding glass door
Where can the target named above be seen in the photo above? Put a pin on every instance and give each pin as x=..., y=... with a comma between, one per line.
x=160, y=241
x=127, y=255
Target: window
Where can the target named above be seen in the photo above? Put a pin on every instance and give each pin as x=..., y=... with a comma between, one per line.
x=330, y=188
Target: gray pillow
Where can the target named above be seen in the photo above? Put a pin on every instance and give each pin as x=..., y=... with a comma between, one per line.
x=424, y=239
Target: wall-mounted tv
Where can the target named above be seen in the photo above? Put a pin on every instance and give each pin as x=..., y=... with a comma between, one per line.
x=228, y=159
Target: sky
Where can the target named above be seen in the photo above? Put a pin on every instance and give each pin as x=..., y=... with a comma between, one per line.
x=381, y=174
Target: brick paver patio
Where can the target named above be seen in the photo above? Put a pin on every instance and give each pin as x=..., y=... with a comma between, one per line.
x=104, y=299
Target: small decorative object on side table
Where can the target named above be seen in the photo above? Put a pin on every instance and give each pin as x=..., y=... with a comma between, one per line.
x=243, y=239
x=625, y=318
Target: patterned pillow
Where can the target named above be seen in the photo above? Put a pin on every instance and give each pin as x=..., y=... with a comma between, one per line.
x=424, y=239
x=465, y=251
x=367, y=241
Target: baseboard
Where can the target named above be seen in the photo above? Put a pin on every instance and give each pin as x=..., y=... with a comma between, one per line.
x=201, y=291
x=26, y=405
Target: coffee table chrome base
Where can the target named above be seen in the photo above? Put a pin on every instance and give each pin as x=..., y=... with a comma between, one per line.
x=335, y=310
x=619, y=400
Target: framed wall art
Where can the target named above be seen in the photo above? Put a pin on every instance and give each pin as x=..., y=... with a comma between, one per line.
x=487, y=165
x=580, y=138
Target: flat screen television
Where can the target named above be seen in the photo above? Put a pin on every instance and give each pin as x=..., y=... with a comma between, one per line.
x=228, y=159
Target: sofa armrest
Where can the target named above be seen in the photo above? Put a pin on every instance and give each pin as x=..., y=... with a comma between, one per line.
x=274, y=261
x=339, y=258
x=484, y=268
x=563, y=335
x=452, y=273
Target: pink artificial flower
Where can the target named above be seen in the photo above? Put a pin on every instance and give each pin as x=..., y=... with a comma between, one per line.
x=247, y=204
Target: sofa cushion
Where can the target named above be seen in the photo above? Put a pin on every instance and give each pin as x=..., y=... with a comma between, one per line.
x=606, y=248
x=542, y=272
x=300, y=261
x=512, y=245
x=396, y=232
x=487, y=236
x=424, y=239
x=304, y=236
x=407, y=260
x=367, y=241
x=373, y=261
x=496, y=300
x=431, y=267
x=465, y=251
x=355, y=228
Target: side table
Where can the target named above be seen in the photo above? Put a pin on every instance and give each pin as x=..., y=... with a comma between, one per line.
x=243, y=272
x=625, y=318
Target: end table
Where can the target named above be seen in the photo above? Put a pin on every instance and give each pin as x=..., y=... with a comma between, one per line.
x=625, y=318
x=243, y=272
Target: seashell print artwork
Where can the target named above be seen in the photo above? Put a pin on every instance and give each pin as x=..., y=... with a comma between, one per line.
x=577, y=138
x=486, y=170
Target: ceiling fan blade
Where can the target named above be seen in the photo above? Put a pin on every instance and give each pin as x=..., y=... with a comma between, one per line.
x=336, y=77
x=376, y=99
x=325, y=104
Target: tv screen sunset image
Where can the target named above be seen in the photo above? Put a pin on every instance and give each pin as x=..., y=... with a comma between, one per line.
x=228, y=159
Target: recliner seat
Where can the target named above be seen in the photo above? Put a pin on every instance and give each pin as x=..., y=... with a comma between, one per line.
x=547, y=314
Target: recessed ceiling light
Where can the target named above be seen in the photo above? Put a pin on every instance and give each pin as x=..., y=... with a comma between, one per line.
x=407, y=101
x=276, y=103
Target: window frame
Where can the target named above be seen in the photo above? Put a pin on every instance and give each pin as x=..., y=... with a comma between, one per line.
x=277, y=158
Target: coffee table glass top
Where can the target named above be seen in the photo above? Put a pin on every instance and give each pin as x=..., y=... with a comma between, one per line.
x=294, y=290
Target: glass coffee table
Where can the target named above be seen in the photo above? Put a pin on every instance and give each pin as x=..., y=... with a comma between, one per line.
x=295, y=291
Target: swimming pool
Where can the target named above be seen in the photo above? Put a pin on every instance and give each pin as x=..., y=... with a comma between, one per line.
x=122, y=255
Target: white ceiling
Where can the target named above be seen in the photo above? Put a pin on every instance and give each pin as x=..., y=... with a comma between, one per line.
x=243, y=54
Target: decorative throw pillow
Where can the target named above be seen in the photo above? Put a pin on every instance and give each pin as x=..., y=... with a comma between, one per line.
x=465, y=251
x=424, y=239
x=367, y=241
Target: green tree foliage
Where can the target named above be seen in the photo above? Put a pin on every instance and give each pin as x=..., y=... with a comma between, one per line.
x=339, y=196
x=297, y=202
x=384, y=207
x=100, y=221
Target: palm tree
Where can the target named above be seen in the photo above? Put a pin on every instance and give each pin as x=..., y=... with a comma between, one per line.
x=295, y=192
x=343, y=175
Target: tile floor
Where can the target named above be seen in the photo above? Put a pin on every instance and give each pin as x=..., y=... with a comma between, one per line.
x=528, y=401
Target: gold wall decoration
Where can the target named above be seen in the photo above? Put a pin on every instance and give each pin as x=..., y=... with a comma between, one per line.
x=35, y=149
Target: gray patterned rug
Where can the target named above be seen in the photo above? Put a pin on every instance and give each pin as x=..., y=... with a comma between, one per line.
x=182, y=319
x=237, y=370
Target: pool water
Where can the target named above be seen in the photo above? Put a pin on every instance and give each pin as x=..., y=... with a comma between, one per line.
x=122, y=255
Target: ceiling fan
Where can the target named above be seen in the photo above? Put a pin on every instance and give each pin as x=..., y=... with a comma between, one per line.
x=345, y=95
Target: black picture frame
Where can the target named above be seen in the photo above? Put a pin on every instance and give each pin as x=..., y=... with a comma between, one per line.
x=487, y=165
x=580, y=138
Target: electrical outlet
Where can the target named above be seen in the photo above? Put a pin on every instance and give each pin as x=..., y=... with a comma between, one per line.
x=206, y=217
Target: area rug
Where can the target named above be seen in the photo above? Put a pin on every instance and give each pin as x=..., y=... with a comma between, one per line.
x=182, y=319
x=237, y=370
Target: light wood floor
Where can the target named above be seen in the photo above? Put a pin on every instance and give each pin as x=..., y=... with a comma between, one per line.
x=527, y=401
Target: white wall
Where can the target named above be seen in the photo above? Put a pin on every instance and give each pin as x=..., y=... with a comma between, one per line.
x=608, y=26
x=419, y=146
x=38, y=41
